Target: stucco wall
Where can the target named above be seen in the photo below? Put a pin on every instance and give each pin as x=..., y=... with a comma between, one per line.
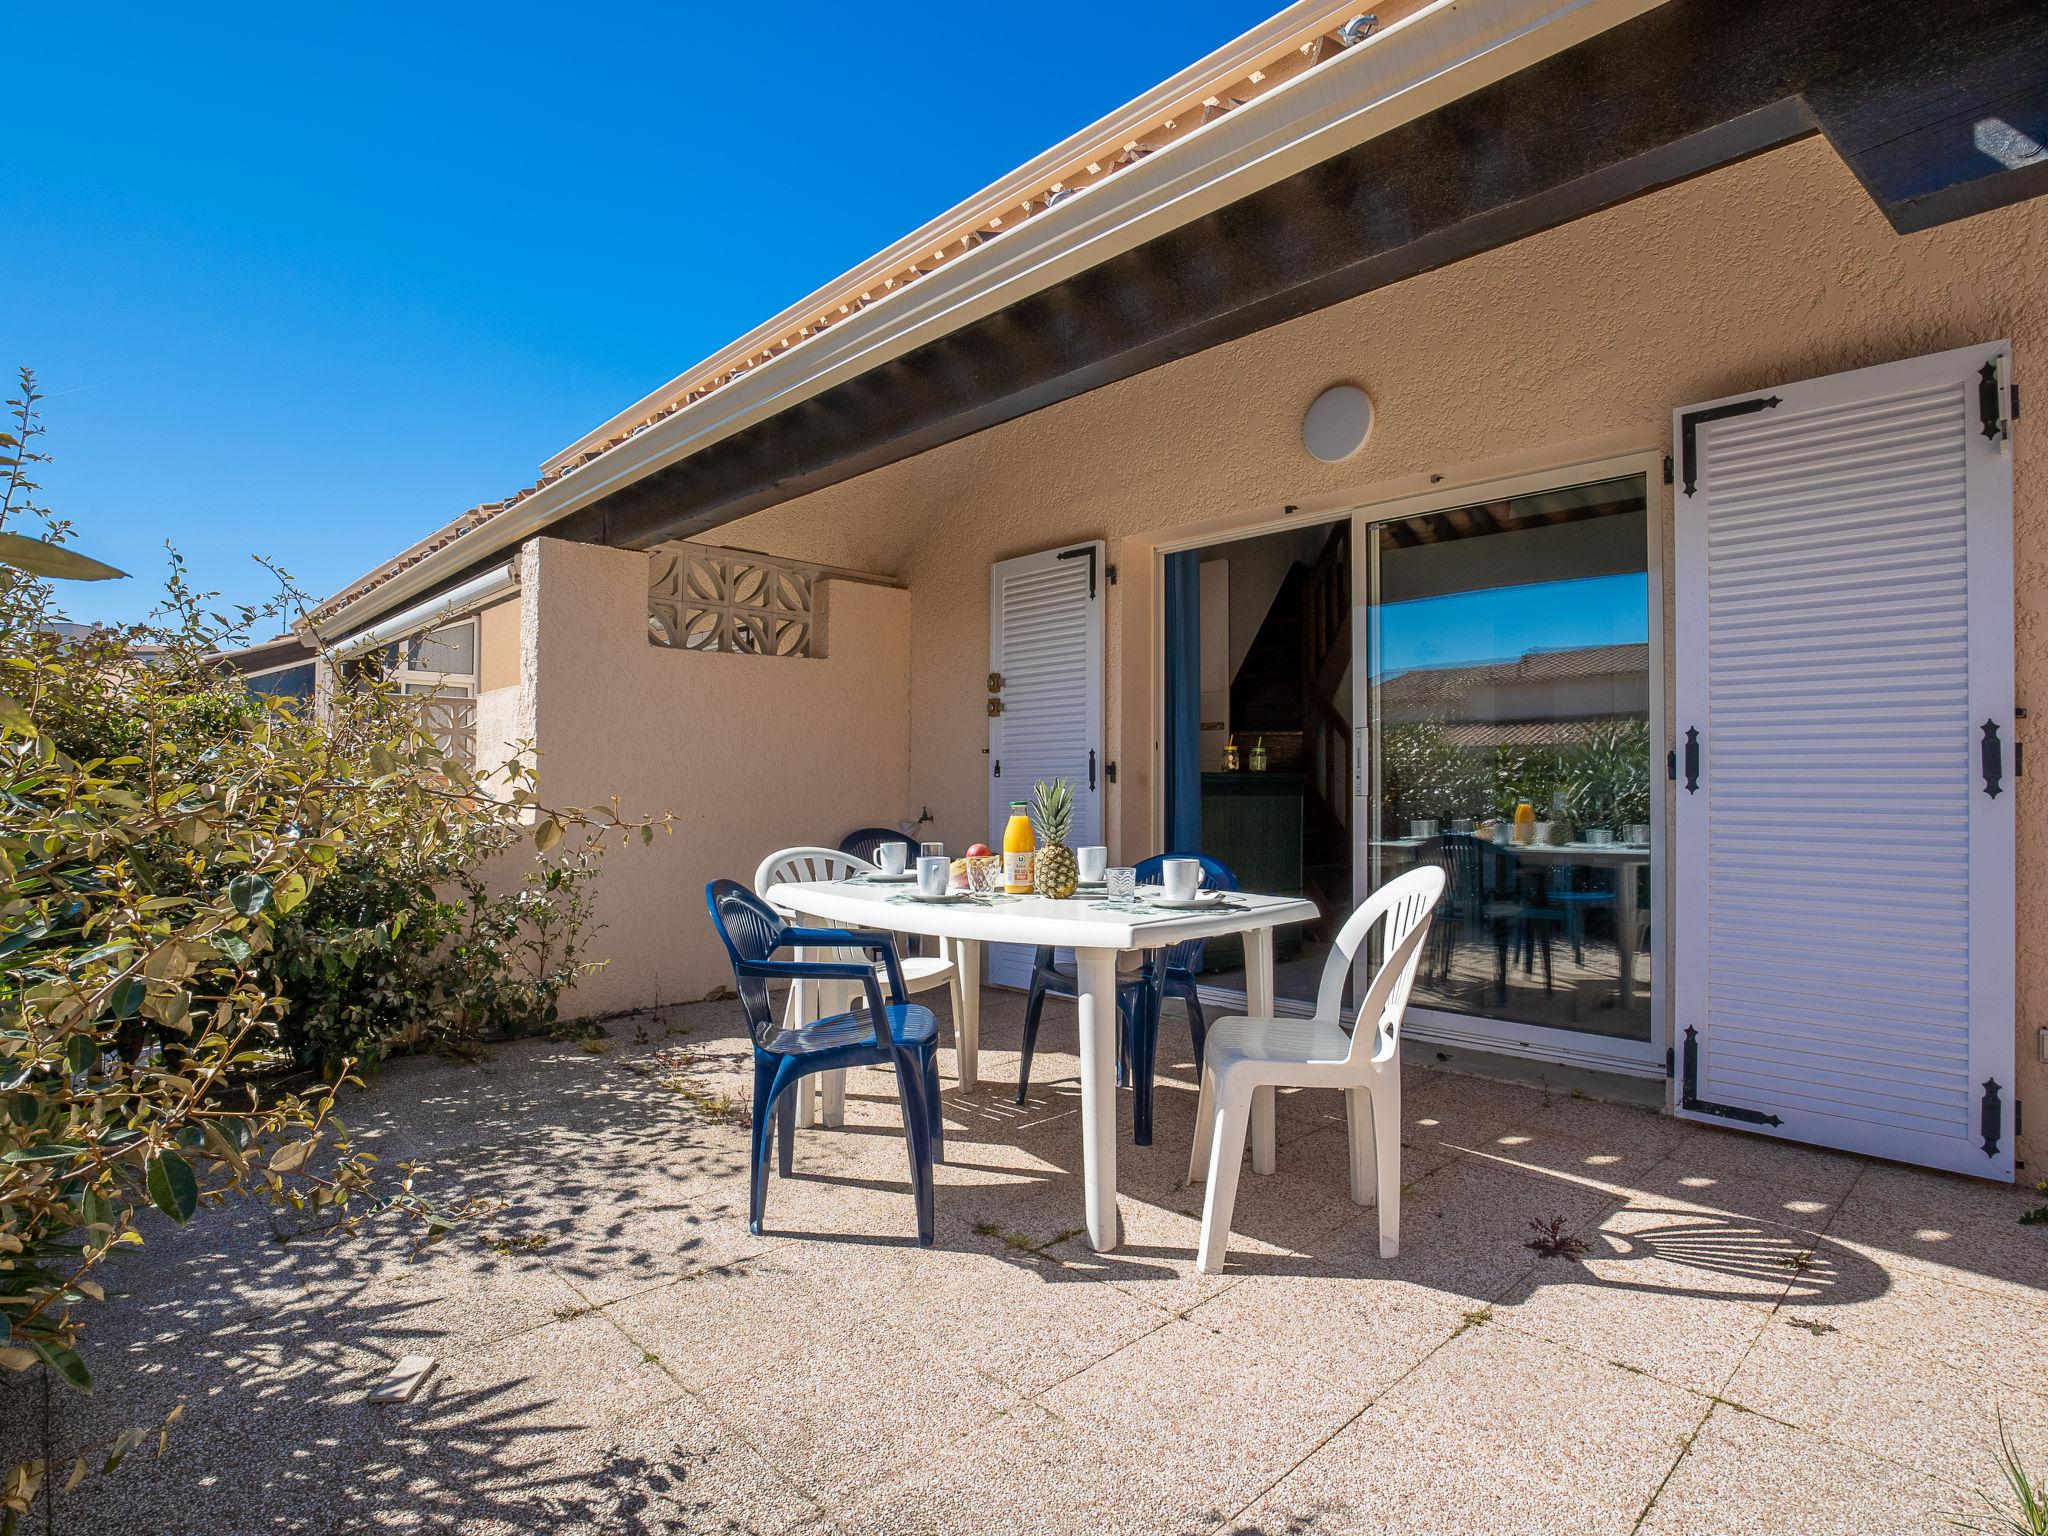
x=1571, y=345
x=749, y=753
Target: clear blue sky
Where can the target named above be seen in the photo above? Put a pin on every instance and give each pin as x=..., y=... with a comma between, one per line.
x=1504, y=623
x=308, y=281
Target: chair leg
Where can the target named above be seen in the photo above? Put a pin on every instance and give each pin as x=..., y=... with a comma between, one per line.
x=934, y=1107
x=785, y=1125
x=1144, y=1032
x=1205, y=1118
x=1386, y=1136
x=1033, y=1007
x=761, y=1140
x=1265, y=1129
x=832, y=1113
x=1226, y=1158
x=1358, y=1123
x=917, y=1131
x=1198, y=1026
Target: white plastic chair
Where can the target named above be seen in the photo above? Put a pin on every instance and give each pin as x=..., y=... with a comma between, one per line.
x=921, y=973
x=1247, y=1059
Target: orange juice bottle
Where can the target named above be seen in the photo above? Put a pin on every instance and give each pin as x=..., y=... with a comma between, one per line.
x=1019, y=844
x=1525, y=823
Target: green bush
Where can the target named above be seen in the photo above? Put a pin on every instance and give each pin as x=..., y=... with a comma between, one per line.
x=200, y=894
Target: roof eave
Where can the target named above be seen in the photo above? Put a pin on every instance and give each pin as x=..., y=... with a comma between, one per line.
x=1437, y=55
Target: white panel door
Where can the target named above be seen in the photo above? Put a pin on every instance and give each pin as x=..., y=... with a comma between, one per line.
x=1045, y=644
x=1845, y=761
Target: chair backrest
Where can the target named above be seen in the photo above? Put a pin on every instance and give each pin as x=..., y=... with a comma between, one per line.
x=862, y=844
x=1406, y=905
x=796, y=865
x=750, y=929
x=1216, y=876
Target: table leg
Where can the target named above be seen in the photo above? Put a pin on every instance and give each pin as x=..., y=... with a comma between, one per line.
x=1625, y=929
x=967, y=1027
x=1258, y=1000
x=1096, y=970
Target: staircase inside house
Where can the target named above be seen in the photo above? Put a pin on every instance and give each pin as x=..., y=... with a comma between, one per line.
x=1292, y=691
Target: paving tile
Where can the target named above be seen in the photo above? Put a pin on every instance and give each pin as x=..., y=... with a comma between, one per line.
x=1790, y=1168
x=1029, y=1470
x=1905, y=1408
x=822, y=1356
x=1748, y=1476
x=1496, y=1432
x=1659, y=1291
x=1996, y=1336
x=1963, y=1242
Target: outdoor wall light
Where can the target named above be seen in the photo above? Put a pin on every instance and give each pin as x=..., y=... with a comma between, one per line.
x=1338, y=423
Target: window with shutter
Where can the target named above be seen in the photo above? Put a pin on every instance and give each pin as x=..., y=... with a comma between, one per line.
x=1045, y=696
x=1845, y=904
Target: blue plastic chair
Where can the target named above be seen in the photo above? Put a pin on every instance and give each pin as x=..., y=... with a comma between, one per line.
x=892, y=1033
x=1138, y=1000
x=863, y=845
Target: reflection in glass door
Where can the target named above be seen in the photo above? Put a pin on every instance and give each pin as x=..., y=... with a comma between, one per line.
x=1509, y=691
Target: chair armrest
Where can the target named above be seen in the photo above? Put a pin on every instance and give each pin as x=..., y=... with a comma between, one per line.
x=855, y=938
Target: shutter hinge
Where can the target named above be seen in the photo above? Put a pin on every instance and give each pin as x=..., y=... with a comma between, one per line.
x=1109, y=770
x=1110, y=572
x=1091, y=767
x=1670, y=1062
x=999, y=769
x=1667, y=469
x=1990, y=1117
x=1990, y=404
x=1991, y=759
x=1689, y=1098
x=1086, y=551
x=1671, y=765
x=1688, y=431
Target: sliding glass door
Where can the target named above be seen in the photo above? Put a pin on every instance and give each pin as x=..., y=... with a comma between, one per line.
x=1507, y=674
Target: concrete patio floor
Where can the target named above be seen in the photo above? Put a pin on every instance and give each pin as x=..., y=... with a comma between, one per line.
x=1756, y=1338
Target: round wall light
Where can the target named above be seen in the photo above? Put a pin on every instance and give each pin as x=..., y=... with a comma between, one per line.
x=1338, y=423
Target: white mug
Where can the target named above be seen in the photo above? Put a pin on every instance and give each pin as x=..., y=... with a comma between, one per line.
x=894, y=858
x=1089, y=863
x=1181, y=877
x=934, y=875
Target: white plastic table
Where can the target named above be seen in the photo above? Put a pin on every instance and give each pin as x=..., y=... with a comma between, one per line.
x=1096, y=937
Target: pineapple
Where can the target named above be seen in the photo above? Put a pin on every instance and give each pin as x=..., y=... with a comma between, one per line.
x=1052, y=814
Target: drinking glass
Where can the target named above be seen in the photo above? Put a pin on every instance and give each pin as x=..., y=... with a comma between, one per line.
x=1121, y=883
x=931, y=850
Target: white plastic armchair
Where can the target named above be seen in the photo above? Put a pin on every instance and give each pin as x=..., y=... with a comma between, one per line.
x=921, y=973
x=1247, y=1055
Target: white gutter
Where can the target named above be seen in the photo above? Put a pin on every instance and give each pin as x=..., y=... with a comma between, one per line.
x=1441, y=53
x=455, y=602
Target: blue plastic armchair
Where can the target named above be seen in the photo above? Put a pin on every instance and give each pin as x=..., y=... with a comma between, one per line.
x=1138, y=999
x=891, y=1032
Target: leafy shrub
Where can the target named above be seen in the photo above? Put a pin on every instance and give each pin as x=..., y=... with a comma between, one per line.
x=200, y=892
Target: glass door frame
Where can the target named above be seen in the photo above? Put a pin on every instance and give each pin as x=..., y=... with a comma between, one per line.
x=1640, y=1058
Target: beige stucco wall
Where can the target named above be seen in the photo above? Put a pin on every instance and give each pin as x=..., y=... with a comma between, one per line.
x=749, y=753
x=1569, y=346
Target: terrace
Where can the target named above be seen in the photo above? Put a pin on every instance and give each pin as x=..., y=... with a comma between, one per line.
x=1735, y=1334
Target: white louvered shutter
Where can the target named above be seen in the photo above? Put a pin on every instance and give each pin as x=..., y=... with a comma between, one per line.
x=1845, y=912
x=1045, y=643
